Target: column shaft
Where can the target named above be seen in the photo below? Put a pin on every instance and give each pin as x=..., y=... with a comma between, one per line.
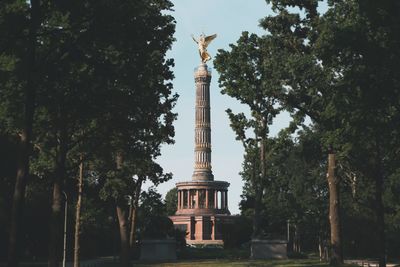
x=188, y=199
x=179, y=200
x=202, y=150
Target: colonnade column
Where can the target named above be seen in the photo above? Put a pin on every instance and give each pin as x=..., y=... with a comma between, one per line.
x=222, y=200
x=188, y=199
x=197, y=200
x=216, y=199
x=183, y=198
x=179, y=200
x=226, y=199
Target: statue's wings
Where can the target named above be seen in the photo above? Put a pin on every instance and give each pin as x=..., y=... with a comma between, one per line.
x=208, y=39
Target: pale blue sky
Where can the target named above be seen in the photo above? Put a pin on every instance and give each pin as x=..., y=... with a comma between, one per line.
x=226, y=18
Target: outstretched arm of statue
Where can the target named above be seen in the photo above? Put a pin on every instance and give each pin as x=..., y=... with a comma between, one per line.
x=194, y=39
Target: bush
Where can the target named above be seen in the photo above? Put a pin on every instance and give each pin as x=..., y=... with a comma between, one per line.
x=237, y=233
x=158, y=227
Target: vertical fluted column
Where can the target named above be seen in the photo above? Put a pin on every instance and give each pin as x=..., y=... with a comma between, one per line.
x=202, y=149
x=216, y=199
x=179, y=199
x=226, y=199
x=183, y=199
x=188, y=199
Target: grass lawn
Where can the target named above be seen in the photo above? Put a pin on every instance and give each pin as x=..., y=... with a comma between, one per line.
x=108, y=262
x=240, y=263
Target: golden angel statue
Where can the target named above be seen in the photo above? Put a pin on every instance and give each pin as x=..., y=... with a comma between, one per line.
x=203, y=42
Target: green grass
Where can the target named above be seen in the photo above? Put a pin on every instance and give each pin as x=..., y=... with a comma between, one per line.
x=108, y=262
x=216, y=257
x=240, y=263
x=213, y=253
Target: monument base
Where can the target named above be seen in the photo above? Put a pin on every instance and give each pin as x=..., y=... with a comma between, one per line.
x=202, y=229
x=268, y=249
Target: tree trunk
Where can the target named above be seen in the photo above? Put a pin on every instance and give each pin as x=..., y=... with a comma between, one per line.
x=56, y=214
x=24, y=147
x=258, y=196
x=257, y=213
x=123, y=232
x=78, y=214
x=380, y=215
x=334, y=213
x=134, y=207
x=296, y=239
x=320, y=248
x=123, y=223
x=258, y=188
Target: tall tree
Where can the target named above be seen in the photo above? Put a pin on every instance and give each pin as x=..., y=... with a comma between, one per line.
x=336, y=65
x=244, y=75
x=78, y=214
x=19, y=23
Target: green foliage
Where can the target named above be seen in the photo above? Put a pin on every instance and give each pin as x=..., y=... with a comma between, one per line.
x=171, y=201
x=237, y=233
x=339, y=70
x=151, y=203
x=245, y=75
x=102, y=87
x=158, y=227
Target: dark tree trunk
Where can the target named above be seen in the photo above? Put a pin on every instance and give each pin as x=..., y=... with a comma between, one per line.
x=257, y=191
x=334, y=212
x=258, y=186
x=123, y=232
x=320, y=247
x=134, y=207
x=296, y=239
x=380, y=216
x=257, y=213
x=24, y=147
x=78, y=214
x=379, y=207
x=56, y=207
x=123, y=222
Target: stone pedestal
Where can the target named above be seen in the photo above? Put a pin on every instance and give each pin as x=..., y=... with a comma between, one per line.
x=157, y=250
x=268, y=249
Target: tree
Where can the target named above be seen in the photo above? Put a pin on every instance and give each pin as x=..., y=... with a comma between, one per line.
x=296, y=190
x=171, y=201
x=336, y=65
x=18, y=69
x=78, y=214
x=243, y=76
x=367, y=69
x=93, y=77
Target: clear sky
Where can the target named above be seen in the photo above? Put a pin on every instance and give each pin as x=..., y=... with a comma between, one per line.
x=226, y=18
